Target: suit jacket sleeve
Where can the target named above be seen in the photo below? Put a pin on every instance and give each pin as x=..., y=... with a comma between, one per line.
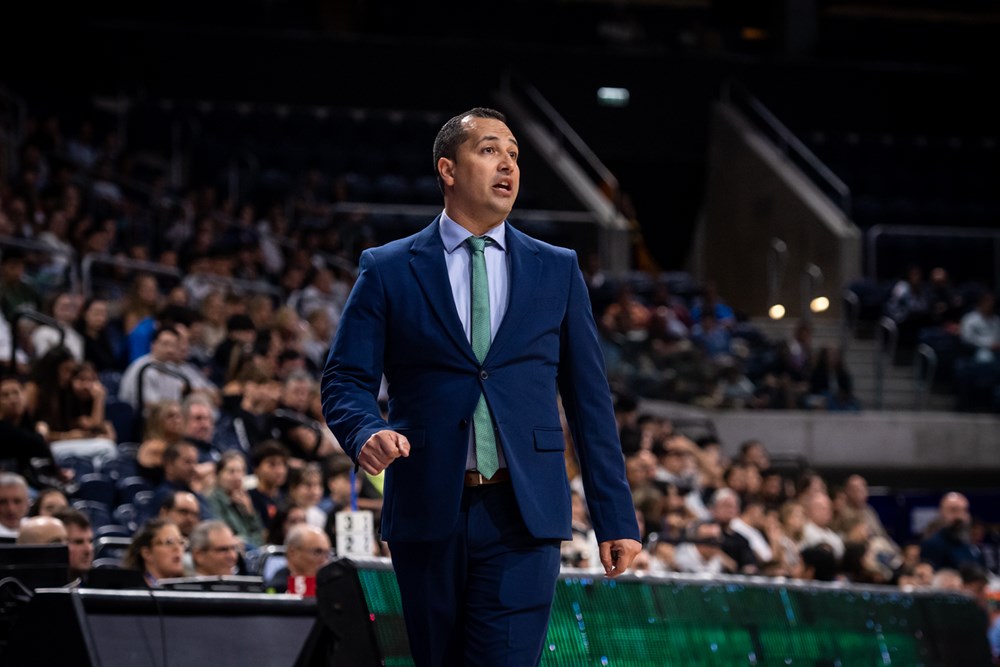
x=353, y=370
x=586, y=399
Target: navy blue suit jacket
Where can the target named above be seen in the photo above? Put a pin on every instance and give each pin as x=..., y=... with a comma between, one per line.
x=400, y=319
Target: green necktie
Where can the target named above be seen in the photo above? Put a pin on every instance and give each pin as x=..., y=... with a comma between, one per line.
x=486, y=444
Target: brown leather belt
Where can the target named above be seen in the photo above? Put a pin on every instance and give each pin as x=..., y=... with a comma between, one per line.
x=475, y=478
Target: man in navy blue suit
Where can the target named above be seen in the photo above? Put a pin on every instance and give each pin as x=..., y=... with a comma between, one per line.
x=479, y=340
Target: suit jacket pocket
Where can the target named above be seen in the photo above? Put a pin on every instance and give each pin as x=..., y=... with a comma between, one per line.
x=549, y=440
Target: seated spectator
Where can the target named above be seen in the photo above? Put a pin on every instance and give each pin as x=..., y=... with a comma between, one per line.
x=181, y=509
x=156, y=384
x=305, y=489
x=980, y=329
x=286, y=517
x=214, y=549
x=156, y=550
x=792, y=518
x=319, y=334
x=818, y=563
x=725, y=508
x=712, y=337
x=15, y=290
x=270, y=468
x=248, y=417
x=711, y=302
x=298, y=425
x=162, y=427
x=13, y=503
x=232, y=504
x=945, y=303
x=79, y=539
x=99, y=347
x=950, y=546
x=139, y=314
x=64, y=308
x=909, y=307
x=819, y=515
x=241, y=336
x=180, y=461
x=48, y=501
x=702, y=552
x=42, y=530
x=23, y=442
x=198, y=414
x=66, y=399
x=307, y=549
x=856, y=504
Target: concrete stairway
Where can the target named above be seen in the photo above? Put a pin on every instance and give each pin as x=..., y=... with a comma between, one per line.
x=899, y=390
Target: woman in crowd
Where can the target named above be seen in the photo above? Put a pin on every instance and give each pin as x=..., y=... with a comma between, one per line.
x=231, y=503
x=47, y=502
x=98, y=346
x=164, y=426
x=67, y=400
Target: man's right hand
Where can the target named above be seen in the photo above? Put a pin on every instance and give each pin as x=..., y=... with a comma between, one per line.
x=382, y=449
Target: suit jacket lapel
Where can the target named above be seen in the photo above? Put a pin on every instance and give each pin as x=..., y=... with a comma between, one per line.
x=525, y=270
x=431, y=273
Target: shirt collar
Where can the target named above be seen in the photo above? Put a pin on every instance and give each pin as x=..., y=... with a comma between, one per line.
x=453, y=234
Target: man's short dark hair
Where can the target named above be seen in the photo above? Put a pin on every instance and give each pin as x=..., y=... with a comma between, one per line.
x=266, y=450
x=165, y=330
x=70, y=516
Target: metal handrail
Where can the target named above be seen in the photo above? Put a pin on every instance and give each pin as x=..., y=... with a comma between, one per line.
x=26, y=313
x=41, y=247
x=788, y=143
x=849, y=318
x=875, y=232
x=887, y=334
x=569, y=134
x=923, y=374
x=92, y=258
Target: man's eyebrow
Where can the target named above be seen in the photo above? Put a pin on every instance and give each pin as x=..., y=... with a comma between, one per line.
x=493, y=137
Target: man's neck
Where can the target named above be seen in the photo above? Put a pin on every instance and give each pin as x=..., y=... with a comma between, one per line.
x=475, y=226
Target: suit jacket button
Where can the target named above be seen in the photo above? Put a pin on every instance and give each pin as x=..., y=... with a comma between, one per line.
x=483, y=375
x=463, y=424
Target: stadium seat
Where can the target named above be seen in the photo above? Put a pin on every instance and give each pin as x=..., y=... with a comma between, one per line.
x=128, y=487
x=122, y=417
x=99, y=513
x=97, y=487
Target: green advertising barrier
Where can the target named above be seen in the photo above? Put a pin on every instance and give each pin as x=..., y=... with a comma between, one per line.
x=638, y=621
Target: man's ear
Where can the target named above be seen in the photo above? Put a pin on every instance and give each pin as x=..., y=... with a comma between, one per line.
x=446, y=169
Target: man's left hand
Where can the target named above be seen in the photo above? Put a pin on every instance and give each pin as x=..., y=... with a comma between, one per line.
x=617, y=555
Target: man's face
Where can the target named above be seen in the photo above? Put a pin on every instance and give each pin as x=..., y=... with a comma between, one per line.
x=11, y=399
x=81, y=548
x=185, y=513
x=955, y=510
x=200, y=422
x=166, y=348
x=296, y=394
x=484, y=176
x=13, y=506
x=307, y=558
x=272, y=471
x=856, y=489
x=219, y=557
x=182, y=469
